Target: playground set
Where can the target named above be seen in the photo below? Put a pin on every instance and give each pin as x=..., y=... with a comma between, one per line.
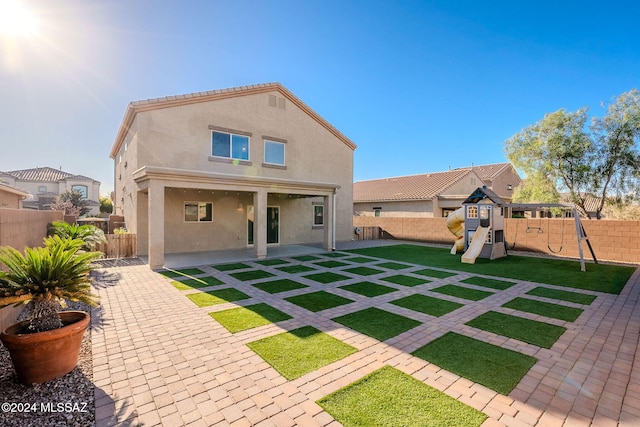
x=479, y=226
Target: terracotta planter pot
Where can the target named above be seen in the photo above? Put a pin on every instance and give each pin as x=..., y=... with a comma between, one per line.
x=43, y=356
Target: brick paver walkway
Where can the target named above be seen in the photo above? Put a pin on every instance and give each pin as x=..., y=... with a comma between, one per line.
x=160, y=360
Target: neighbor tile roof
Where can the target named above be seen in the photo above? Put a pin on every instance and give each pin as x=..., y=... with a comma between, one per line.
x=45, y=174
x=412, y=187
x=489, y=172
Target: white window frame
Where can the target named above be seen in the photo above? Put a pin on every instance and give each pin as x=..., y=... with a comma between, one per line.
x=472, y=212
x=85, y=193
x=231, y=135
x=284, y=154
x=200, y=208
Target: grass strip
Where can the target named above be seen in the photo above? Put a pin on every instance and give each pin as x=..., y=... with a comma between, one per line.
x=462, y=292
x=269, y=262
x=401, y=279
x=335, y=254
x=195, y=283
x=318, y=301
x=280, y=285
x=245, y=276
x=331, y=264
x=298, y=352
x=183, y=272
x=598, y=277
x=389, y=397
x=363, y=271
x=377, y=323
x=231, y=266
x=219, y=296
x=305, y=258
x=360, y=259
x=558, y=294
x=368, y=289
x=530, y=331
x=249, y=317
x=547, y=309
x=438, y=274
x=293, y=269
x=428, y=305
x=494, y=367
x=393, y=265
x=488, y=283
x=326, y=277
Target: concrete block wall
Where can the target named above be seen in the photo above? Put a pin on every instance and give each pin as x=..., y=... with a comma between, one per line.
x=22, y=228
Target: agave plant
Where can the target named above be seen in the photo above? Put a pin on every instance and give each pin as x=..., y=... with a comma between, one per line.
x=89, y=234
x=45, y=278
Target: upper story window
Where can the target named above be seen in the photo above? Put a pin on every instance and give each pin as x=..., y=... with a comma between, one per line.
x=42, y=189
x=229, y=145
x=82, y=189
x=274, y=152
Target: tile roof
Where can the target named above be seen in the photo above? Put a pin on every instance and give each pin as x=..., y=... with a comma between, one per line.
x=44, y=174
x=419, y=187
x=412, y=187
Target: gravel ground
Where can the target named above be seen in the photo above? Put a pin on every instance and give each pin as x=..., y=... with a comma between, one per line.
x=66, y=401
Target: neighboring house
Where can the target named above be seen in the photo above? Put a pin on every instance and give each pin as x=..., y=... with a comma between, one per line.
x=45, y=184
x=431, y=194
x=236, y=168
x=11, y=197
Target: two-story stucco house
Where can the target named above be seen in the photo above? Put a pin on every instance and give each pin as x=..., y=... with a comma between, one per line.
x=44, y=184
x=11, y=197
x=237, y=168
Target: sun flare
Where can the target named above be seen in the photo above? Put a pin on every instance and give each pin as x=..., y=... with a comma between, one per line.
x=15, y=19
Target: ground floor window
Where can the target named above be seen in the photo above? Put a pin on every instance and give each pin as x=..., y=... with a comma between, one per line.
x=318, y=215
x=198, y=211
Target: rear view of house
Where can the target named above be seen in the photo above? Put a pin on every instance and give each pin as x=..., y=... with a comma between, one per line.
x=236, y=168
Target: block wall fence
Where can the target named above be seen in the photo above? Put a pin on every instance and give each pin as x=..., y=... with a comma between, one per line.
x=617, y=241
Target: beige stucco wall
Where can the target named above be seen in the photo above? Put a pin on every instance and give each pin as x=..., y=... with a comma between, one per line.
x=501, y=182
x=409, y=209
x=10, y=200
x=180, y=138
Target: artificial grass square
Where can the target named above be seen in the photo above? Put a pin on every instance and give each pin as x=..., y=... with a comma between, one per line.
x=268, y=262
x=376, y=323
x=219, y=296
x=245, y=276
x=401, y=279
x=197, y=282
x=368, y=289
x=530, y=331
x=249, y=317
x=331, y=264
x=558, y=294
x=183, y=272
x=231, y=266
x=389, y=397
x=494, y=367
x=293, y=269
x=438, y=274
x=298, y=352
x=326, y=277
x=318, y=301
x=335, y=254
x=363, y=271
x=547, y=309
x=428, y=305
x=280, y=285
x=393, y=265
x=488, y=283
x=304, y=258
x=598, y=277
x=462, y=292
x=360, y=259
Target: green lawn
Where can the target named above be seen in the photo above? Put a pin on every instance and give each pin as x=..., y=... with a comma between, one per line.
x=438, y=274
x=393, y=265
x=389, y=397
x=428, y=305
x=404, y=280
x=245, y=276
x=219, y=296
x=251, y=316
x=462, y=292
x=530, y=331
x=558, y=294
x=298, y=352
x=318, y=301
x=194, y=283
x=598, y=277
x=547, y=309
x=183, y=272
x=326, y=277
x=331, y=264
x=368, y=289
x=494, y=367
x=305, y=258
x=501, y=285
x=280, y=285
x=293, y=269
x=359, y=259
x=363, y=271
x=269, y=262
x=231, y=266
x=377, y=323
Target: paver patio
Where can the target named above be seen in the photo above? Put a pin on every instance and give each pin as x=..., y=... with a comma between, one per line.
x=161, y=360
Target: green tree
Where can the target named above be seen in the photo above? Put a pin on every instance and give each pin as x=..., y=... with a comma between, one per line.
x=584, y=160
x=77, y=201
x=106, y=205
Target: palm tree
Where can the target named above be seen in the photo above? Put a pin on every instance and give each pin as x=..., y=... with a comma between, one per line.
x=89, y=234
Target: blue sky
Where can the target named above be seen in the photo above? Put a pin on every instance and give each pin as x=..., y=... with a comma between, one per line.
x=420, y=86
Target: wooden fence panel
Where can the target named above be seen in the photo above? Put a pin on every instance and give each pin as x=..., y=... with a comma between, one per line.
x=119, y=246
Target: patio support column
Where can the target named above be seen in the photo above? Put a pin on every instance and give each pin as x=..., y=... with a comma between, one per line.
x=156, y=225
x=329, y=222
x=260, y=223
